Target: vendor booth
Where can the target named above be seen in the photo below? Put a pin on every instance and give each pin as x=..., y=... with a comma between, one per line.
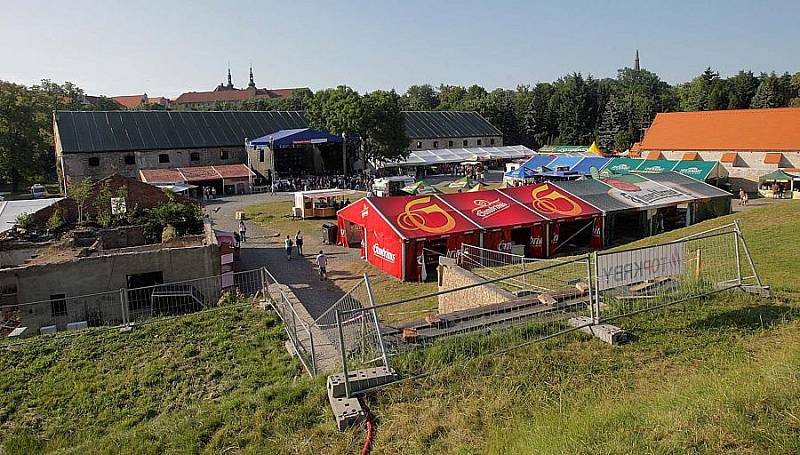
x=320, y=203
x=788, y=185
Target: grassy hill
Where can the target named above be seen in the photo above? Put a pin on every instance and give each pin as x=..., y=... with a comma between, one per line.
x=717, y=376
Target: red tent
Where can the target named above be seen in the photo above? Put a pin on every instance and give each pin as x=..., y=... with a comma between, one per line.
x=503, y=221
x=399, y=234
x=570, y=217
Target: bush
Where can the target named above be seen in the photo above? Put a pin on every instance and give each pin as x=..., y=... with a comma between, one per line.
x=55, y=221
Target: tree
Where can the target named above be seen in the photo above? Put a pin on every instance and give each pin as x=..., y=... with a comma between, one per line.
x=696, y=94
x=742, y=89
x=24, y=133
x=767, y=94
x=613, y=122
x=384, y=134
x=80, y=193
x=420, y=98
x=107, y=104
x=338, y=111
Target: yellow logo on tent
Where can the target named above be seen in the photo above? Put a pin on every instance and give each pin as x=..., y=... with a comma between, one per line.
x=418, y=218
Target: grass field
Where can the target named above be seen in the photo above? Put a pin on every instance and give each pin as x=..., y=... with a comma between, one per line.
x=713, y=376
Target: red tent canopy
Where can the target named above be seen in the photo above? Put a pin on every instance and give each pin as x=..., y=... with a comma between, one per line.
x=551, y=202
x=422, y=216
x=492, y=209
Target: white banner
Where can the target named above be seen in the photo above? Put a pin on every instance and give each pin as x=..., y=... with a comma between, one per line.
x=635, y=266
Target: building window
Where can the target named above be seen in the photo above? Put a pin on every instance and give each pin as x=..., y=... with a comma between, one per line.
x=436, y=144
x=94, y=161
x=466, y=143
x=58, y=305
x=480, y=142
x=450, y=144
x=194, y=156
x=223, y=155
x=163, y=158
x=261, y=155
x=491, y=141
x=130, y=160
x=419, y=144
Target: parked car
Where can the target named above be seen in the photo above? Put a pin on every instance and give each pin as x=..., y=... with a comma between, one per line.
x=38, y=191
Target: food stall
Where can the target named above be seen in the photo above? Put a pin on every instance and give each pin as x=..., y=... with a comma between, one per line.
x=321, y=203
x=788, y=183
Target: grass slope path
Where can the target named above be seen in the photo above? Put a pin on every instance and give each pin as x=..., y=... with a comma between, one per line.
x=712, y=376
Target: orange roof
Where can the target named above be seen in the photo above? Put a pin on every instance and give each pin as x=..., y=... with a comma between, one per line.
x=637, y=146
x=654, y=156
x=130, y=101
x=229, y=171
x=161, y=176
x=729, y=157
x=232, y=95
x=690, y=156
x=746, y=129
x=195, y=173
x=773, y=158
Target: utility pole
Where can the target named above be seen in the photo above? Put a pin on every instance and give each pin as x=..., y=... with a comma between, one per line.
x=344, y=155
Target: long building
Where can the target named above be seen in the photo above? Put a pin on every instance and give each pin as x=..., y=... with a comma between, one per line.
x=229, y=94
x=99, y=143
x=749, y=143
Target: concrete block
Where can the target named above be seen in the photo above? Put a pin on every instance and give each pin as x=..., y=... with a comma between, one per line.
x=546, y=299
x=608, y=333
x=48, y=330
x=360, y=380
x=762, y=291
x=18, y=332
x=346, y=411
x=80, y=325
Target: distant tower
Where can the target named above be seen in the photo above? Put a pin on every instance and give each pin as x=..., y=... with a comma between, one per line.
x=636, y=62
x=230, y=82
x=252, y=83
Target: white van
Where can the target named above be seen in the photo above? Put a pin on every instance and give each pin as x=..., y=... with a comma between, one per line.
x=38, y=191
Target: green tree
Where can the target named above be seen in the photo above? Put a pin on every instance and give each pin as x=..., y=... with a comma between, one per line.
x=338, y=111
x=80, y=193
x=768, y=93
x=25, y=137
x=742, y=89
x=420, y=98
x=384, y=134
x=612, y=123
x=102, y=205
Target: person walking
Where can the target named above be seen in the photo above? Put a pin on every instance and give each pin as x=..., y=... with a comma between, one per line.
x=322, y=264
x=741, y=196
x=298, y=240
x=288, y=245
x=242, y=230
x=745, y=197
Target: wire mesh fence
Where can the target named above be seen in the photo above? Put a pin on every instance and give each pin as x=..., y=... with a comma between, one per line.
x=491, y=302
x=353, y=333
x=124, y=307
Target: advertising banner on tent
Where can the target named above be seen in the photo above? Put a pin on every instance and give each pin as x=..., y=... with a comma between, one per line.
x=636, y=266
x=597, y=233
x=491, y=209
x=422, y=216
x=698, y=170
x=385, y=251
x=551, y=202
x=636, y=189
x=555, y=228
x=537, y=241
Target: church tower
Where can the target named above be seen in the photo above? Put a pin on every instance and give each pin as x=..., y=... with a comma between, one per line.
x=252, y=83
x=636, y=62
x=230, y=82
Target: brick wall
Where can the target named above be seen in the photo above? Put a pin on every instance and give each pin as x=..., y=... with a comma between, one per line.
x=452, y=276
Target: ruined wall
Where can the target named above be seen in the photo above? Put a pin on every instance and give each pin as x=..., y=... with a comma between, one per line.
x=452, y=276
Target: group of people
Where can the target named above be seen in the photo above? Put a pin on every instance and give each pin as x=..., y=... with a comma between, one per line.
x=321, y=259
x=743, y=197
x=209, y=192
x=361, y=182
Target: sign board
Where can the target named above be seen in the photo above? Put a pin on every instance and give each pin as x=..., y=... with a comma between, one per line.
x=118, y=206
x=636, y=266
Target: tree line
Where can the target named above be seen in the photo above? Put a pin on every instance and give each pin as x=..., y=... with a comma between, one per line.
x=575, y=109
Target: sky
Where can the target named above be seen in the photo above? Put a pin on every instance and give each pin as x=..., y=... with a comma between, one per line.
x=167, y=47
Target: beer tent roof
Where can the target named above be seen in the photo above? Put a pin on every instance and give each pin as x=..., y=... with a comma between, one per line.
x=551, y=202
x=656, y=166
x=596, y=193
x=701, y=170
x=694, y=188
x=623, y=164
x=585, y=166
x=491, y=209
x=421, y=216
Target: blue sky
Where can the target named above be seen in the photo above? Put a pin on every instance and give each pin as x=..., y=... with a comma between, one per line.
x=166, y=47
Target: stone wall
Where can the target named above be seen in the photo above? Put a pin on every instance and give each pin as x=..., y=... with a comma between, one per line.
x=103, y=275
x=77, y=165
x=453, y=276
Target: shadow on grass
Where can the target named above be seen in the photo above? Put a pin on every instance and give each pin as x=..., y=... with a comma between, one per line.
x=750, y=318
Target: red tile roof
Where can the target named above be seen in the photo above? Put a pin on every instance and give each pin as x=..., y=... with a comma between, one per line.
x=690, y=156
x=229, y=171
x=199, y=173
x=728, y=157
x=654, y=156
x=161, y=176
x=741, y=130
x=130, y=101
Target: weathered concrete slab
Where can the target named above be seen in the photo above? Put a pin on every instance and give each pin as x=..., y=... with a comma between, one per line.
x=346, y=411
x=360, y=380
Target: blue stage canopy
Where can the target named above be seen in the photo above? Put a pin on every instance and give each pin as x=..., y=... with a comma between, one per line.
x=300, y=136
x=538, y=161
x=586, y=164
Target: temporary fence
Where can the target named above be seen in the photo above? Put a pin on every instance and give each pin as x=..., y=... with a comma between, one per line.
x=493, y=302
x=124, y=307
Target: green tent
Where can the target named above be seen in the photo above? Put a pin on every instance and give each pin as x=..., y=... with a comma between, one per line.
x=463, y=182
x=622, y=165
x=699, y=170
x=656, y=166
x=420, y=187
x=778, y=175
